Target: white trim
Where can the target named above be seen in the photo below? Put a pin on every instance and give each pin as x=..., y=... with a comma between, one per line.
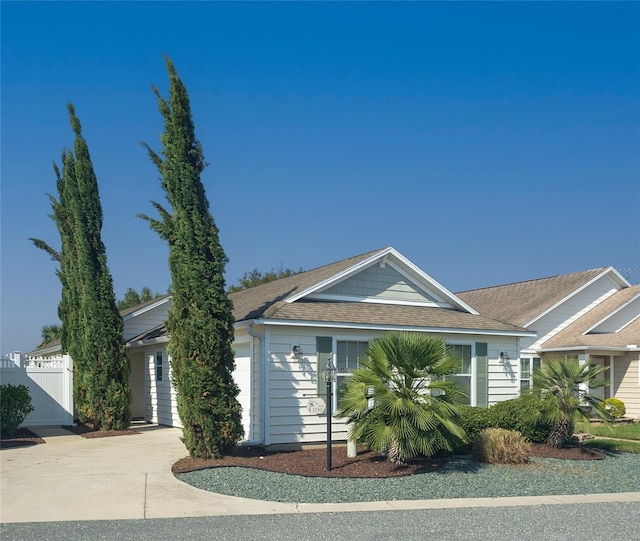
x=375, y=300
x=588, y=348
x=439, y=289
x=266, y=379
x=339, y=277
x=371, y=326
x=141, y=311
x=621, y=281
x=147, y=342
x=610, y=314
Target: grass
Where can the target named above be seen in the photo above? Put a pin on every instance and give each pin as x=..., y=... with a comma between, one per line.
x=615, y=446
x=607, y=436
x=625, y=431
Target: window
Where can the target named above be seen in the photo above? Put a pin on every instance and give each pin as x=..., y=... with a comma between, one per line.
x=159, y=366
x=347, y=355
x=463, y=377
x=527, y=366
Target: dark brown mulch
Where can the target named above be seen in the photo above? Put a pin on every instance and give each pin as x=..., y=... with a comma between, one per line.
x=569, y=452
x=312, y=462
x=87, y=430
x=22, y=438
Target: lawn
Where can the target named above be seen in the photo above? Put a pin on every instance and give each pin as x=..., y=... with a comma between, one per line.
x=627, y=431
x=606, y=436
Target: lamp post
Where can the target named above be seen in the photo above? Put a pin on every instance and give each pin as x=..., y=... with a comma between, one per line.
x=330, y=377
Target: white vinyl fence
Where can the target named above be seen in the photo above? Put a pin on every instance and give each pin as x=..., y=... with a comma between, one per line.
x=50, y=382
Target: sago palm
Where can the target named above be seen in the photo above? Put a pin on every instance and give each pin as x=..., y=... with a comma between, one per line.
x=560, y=396
x=400, y=401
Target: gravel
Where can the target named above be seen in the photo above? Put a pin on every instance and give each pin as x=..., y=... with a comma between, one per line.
x=460, y=478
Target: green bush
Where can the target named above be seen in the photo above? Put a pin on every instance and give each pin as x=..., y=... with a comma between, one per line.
x=499, y=446
x=615, y=407
x=15, y=405
x=515, y=415
x=474, y=420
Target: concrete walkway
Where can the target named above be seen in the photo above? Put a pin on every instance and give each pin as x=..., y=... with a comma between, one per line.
x=129, y=477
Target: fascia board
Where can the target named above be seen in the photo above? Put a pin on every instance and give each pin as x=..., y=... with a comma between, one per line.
x=340, y=276
x=438, y=288
x=150, y=341
x=587, y=348
x=611, y=314
x=146, y=309
x=575, y=292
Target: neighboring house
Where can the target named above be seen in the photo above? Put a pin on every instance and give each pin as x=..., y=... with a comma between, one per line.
x=592, y=316
x=286, y=329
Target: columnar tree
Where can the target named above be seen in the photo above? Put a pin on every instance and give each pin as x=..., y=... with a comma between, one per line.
x=92, y=328
x=200, y=322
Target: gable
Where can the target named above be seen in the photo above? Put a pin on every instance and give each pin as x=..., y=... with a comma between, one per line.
x=382, y=283
x=619, y=319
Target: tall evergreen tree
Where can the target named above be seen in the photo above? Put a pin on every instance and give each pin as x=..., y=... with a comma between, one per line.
x=92, y=328
x=200, y=322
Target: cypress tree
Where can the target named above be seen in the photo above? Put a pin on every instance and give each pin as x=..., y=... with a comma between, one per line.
x=92, y=328
x=200, y=322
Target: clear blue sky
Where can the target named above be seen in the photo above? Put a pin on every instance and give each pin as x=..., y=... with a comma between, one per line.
x=488, y=142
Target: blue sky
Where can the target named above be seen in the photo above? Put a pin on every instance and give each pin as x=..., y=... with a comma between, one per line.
x=488, y=142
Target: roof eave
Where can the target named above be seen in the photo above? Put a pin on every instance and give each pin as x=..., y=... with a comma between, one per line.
x=385, y=327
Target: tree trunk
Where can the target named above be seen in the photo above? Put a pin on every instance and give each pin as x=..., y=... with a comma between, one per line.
x=394, y=455
x=559, y=433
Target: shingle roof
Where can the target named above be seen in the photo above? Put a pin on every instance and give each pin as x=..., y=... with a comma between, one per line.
x=573, y=334
x=388, y=315
x=252, y=303
x=267, y=301
x=140, y=306
x=520, y=302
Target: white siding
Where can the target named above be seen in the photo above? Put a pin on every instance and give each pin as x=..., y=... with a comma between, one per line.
x=619, y=319
x=148, y=320
x=292, y=382
x=242, y=376
x=567, y=312
x=382, y=283
x=160, y=405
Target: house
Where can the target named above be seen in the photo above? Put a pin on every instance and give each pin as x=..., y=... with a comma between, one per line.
x=592, y=316
x=286, y=330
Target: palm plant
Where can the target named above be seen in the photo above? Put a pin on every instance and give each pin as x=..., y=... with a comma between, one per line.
x=50, y=333
x=400, y=401
x=560, y=396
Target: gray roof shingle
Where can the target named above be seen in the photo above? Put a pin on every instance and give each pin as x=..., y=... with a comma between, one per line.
x=520, y=302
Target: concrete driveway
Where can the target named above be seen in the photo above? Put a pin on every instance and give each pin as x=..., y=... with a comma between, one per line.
x=129, y=477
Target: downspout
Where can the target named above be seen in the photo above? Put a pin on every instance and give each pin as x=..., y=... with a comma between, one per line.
x=254, y=335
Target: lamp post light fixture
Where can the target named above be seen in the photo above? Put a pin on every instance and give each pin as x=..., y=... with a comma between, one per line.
x=330, y=377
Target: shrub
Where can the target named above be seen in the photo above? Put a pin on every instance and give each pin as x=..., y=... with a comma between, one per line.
x=474, y=420
x=499, y=446
x=615, y=407
x=516, y=415
x=15, y=405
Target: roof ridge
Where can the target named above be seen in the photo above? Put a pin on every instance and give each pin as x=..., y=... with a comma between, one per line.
x=534, y=280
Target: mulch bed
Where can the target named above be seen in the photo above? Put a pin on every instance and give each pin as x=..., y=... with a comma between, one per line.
x=22, y=438
x=312, y=462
